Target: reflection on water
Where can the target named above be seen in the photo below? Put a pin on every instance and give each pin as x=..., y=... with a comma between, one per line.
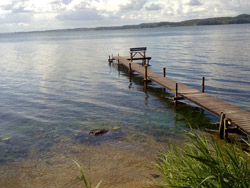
x=56, y=87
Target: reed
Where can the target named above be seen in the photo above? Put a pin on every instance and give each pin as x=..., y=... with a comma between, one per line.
x=204, y=164
x=86, y=181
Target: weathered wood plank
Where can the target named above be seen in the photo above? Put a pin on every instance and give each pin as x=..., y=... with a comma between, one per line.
x=237, y=116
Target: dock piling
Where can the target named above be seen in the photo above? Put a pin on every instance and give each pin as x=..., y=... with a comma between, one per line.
x=164, y=71
x=221, y=125
x=203, y=85
x=145, y=73
x=109, y=60
x=176, y=94
x=176, y=90
x=129, y=68
x=225, y=132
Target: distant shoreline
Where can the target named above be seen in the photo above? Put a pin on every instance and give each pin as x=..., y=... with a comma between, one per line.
x=240, y=19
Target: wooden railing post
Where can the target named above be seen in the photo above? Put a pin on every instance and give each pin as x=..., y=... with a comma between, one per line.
x=203, y=85
x=164, y=71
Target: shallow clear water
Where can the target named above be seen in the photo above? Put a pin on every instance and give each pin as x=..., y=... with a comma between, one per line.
x=56, y=86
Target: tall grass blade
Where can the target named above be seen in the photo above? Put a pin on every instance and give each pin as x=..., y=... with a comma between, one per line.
x=82, y=173
x=204, y=164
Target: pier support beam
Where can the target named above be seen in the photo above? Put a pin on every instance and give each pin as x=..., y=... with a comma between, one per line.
x=118, y=65
x=225, y=133
x=222, y=125
x=203, y=85
x=110, y=60
x=145, y=80
x=129, y=69
x=145, y=73
x=176, y=94
x=164, y=71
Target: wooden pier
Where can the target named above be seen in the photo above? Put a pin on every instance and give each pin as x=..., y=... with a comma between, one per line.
x=232, y=118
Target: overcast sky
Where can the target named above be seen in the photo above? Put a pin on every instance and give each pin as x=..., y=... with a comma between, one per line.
x=28, y=15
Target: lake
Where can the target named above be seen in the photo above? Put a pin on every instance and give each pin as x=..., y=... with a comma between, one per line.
x=57, y=86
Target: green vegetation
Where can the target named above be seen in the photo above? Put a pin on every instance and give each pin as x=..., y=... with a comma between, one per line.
x=241, y=19
x=203, y=164
x=86, y=182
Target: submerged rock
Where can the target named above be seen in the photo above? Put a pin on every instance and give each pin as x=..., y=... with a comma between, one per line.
x=97, y=132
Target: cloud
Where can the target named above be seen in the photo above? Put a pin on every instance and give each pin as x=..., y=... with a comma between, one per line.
x=80, y=15
x=66, y=2
x=16, y=18
x=153, y=7
x=17, y=7
x=52, y=14
x=194, y=3
x=133, y=5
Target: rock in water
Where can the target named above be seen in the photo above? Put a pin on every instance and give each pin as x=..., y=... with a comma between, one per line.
x=97, y=132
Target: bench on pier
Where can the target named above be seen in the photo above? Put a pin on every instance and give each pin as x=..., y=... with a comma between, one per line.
x=141, y=54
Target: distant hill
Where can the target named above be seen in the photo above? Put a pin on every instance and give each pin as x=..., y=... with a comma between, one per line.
x=241, y=19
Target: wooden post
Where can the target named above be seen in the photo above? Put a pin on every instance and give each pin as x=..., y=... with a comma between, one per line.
x=145, y=80
x=176, y=94
x=131, y=56
x=164, y=71
x=222, y=126
x=118, y=65
x=203, y=84
x=225, y=133
x=129, y=68
x=145, y=73
x=176, y=90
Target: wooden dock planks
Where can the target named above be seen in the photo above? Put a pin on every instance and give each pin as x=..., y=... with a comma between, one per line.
x=238, y=117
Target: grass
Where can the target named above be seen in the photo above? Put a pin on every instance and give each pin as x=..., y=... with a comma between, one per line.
x=83, y=177
x=202, y=163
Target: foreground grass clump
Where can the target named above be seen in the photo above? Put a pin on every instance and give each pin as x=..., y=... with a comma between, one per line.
x=86, y=182
x=201, y=164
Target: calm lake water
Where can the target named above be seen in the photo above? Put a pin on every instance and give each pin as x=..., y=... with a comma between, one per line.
x=56, y=86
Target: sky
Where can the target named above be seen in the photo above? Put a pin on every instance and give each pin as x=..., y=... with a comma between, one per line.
x=34, y=15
